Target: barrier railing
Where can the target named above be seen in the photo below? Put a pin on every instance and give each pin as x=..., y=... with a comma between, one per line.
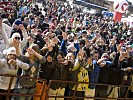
x=77, y=83
x=36, y=96
x=42, y=89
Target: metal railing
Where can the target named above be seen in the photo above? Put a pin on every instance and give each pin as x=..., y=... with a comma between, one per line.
x=15, y=94
x=46, y=91
x=77, y=83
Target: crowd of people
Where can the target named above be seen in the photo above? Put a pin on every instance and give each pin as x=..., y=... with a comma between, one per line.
x=61, y=42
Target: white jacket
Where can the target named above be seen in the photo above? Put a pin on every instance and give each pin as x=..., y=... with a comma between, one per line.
x=8, y=30
x=5, y=69
x=7, y=40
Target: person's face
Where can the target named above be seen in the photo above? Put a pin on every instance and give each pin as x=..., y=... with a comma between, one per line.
x=34, y=30
x=30, y=39
x=84, y=36
x=81, y=45
x=88, y=43
x=69, y=38
x=95, y=56
x=16, y=26
x=60, y=58
x=16, y=39
x=70, y=57
x=75, y=37
x=26, y=20
x=105, y=56
x=12, y=13
x=36, y=21
x=81, y=55
x=11, y=56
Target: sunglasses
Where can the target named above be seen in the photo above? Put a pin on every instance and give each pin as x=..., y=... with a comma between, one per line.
x=17, y=38
x=105, y=56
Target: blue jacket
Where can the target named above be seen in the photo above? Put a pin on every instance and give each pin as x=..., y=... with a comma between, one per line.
x=94, y=74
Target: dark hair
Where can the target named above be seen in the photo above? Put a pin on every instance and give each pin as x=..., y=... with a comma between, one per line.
x=61, y=53
x=93, y=52
x=3, y=15
x=82, y=42
x=63, y=28
x=60, y=37
x=78, y=29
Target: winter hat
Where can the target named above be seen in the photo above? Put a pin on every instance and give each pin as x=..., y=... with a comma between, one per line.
x=15, y=35
x=18, y=22
x=11, y=50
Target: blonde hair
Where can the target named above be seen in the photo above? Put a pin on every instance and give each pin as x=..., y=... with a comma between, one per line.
x=69, y=54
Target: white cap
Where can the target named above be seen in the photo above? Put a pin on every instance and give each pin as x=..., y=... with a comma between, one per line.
x=128, y=33
x=62, y=20
x=11, y=50
x=5, y=20
x=72, y=48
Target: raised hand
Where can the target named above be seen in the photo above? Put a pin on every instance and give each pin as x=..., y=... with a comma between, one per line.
x=12, y=62
x=122, y=56
x=126, y=54
x=119, y=48
x=64, y=34
x=128, y=69
x=89, y=61
x=81, y=54
x=30, y=51
x=50, y=47
x=21, y=26
x=65, y=62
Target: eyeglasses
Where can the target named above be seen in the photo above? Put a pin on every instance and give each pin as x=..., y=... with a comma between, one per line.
x=17, y=38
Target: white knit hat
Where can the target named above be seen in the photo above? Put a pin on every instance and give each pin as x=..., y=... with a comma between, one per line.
x=15, y=35
x=11, y=50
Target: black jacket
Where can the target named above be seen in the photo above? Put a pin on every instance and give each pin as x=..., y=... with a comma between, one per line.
x=61, y=72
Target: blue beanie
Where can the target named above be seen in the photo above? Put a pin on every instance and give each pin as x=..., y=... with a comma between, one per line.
x=18, y=22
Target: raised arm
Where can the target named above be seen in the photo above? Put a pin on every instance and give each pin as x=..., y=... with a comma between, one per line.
x=22, y=65
x=4, y=34
x=40, y=57
x=64, y=43
x=25, y=35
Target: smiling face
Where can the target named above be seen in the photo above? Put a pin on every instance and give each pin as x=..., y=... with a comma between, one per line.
x=70, y=57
